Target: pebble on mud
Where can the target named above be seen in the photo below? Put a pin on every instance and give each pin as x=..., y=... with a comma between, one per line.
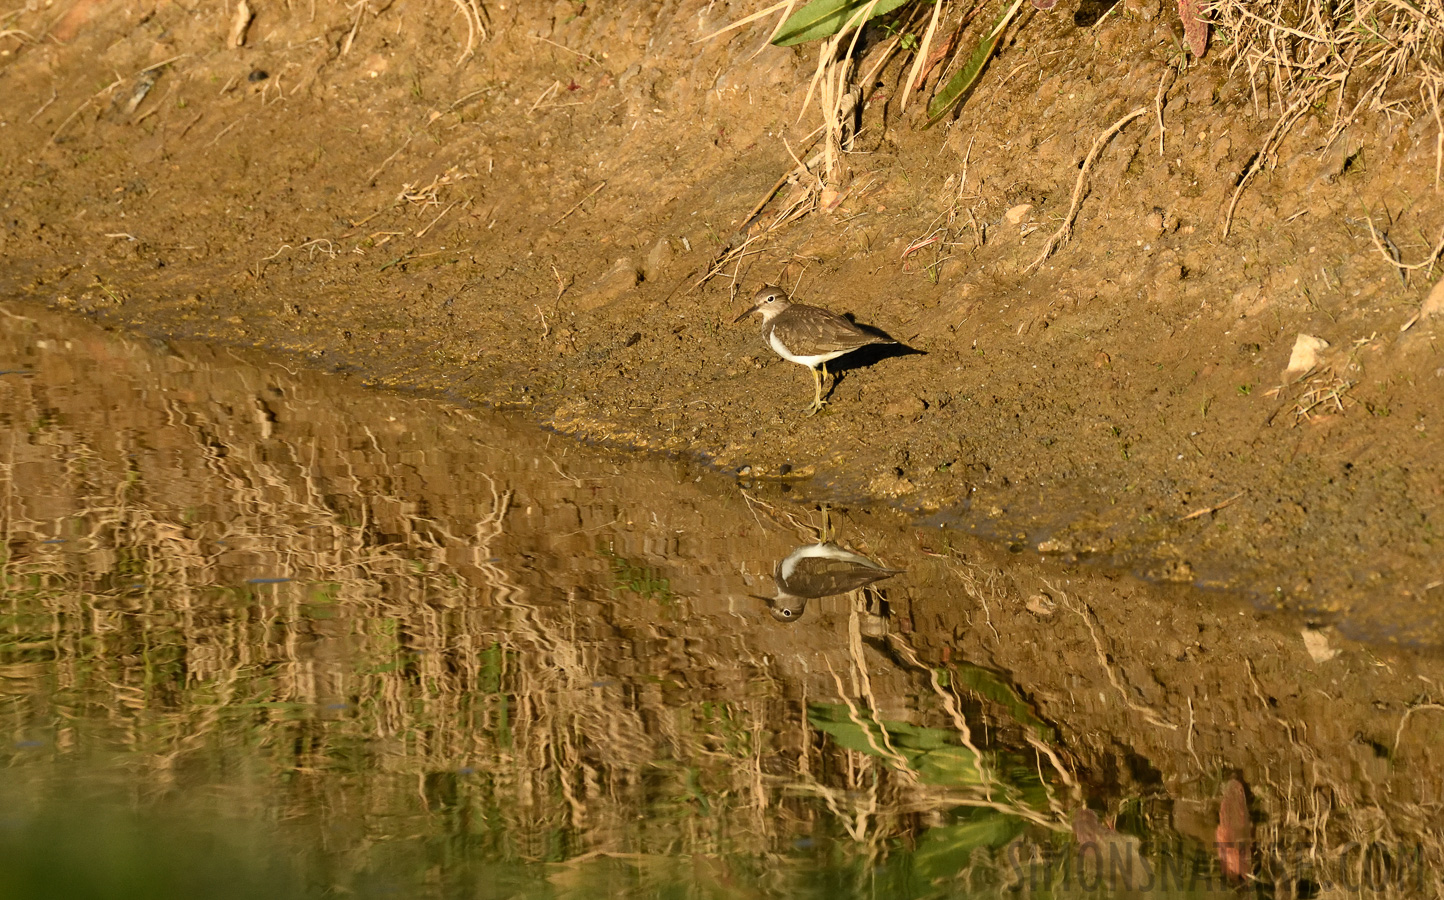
x=1317, y=645
x=1041, y=605
x=620, y=278
x=658, y=259
x=1305, y=357
x=1433, y=304
x=1018, y=214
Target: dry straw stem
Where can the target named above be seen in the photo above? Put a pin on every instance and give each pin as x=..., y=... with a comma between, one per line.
x=921, y=55
x=81, y=108
x=1296, y=53
x=1065, y=230
x=1393, y=258
x=474, y=26
x=1265, y=153
x=788, y=4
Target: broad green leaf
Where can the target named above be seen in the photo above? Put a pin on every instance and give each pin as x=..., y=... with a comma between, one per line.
x=991, y=686
x=949, y=767
x=824, y=18
x=966, y=77
x=946, y=850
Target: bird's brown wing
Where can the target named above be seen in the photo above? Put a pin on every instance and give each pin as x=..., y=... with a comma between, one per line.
x=824, y=331
x=821, y=577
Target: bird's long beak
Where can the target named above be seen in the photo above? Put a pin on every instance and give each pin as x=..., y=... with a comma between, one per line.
x=746, y=314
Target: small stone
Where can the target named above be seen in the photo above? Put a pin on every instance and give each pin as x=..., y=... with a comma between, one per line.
x=1018, y=214
x=1154, y=222
x=620, y=278
x=1317, y=645
x=658, y=259
x=1304, y=357
x=1041, y=605
x=1434, y=303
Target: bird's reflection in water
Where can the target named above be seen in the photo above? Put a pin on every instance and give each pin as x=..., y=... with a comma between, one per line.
x=819, y=570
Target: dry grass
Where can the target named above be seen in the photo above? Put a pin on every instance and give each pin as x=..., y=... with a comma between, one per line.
x=245, y=563
x=1341, y=59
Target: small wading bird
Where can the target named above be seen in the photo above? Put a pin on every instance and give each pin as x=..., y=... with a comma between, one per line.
x=819, y=570
x=809, y=335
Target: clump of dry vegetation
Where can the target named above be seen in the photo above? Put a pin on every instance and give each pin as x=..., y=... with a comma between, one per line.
x=1374, y=56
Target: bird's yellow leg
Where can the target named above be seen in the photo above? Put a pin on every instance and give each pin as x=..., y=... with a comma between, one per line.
x=817, y=403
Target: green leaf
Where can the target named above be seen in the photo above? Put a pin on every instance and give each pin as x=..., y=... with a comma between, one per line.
x=946, y=850
x=991, y=686
x=966, y=77
x=824, y=18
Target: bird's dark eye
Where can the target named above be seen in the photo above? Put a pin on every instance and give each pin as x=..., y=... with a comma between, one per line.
x=787, y=613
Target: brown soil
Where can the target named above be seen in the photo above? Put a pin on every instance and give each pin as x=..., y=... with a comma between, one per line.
x=529, y=226
x=212, y=558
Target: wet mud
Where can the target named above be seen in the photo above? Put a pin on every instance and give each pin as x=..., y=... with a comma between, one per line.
x=530, y=225
x=343, y=639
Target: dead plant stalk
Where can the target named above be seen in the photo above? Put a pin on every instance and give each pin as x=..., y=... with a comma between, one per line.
x=1065, y=231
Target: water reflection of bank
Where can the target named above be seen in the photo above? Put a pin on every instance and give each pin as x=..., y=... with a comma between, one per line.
x=438, y=650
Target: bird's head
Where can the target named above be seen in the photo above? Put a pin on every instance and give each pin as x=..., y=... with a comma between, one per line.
x=769, y=301
x=785, y=607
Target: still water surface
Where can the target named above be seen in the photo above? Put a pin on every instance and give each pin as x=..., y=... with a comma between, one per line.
x=264, y=632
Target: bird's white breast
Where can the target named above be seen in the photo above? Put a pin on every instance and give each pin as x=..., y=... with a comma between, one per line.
x=781, y=350
x=825, y=551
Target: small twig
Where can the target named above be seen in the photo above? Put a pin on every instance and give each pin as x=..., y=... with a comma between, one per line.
x=371, y=179
x=1158, y=104
x=389, y=206
x=191, y=124
x=165, y=62
x=1211, y=509
x=351, y=37
x=1259, y=159
x=545, y=94
x=578, y=204
x=469, y=15
x=81, y=108
x=772, y=192
x=1065, y=230
x=586, y=56
x=465, y=97
x=422, y=232
x=1393, y=257
x=44, y=106
x=562, y=283
x=223, y=131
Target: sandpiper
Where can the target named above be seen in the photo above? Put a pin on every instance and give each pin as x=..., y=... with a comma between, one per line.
x=808, y=335
x=819, y=570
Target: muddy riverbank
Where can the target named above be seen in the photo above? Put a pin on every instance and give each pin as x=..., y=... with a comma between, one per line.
x=529, y=224
x=324, y=639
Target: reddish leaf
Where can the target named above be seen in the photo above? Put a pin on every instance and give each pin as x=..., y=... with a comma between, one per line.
x=1195, y=29
x=1234, y=835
